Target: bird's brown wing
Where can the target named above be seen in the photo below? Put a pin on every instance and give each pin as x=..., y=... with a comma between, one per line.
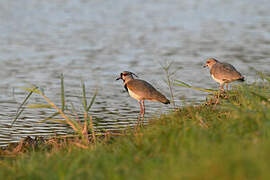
x=145, y=90
x=225, y=72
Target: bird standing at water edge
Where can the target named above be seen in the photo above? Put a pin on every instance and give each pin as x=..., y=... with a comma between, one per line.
x=141, y=90
x=223, y=73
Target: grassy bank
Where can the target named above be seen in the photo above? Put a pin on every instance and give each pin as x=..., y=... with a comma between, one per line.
x=227, y=141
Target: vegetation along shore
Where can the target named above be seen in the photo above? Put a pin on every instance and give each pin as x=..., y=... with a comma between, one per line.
x=229, y=140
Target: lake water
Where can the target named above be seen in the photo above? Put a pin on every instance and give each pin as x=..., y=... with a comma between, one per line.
x=96, y=40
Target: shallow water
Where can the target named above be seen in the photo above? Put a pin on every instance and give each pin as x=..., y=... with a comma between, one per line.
x=95, y=40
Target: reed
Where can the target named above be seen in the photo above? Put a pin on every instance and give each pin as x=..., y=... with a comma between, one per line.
x=169, y=79
x=68, y=117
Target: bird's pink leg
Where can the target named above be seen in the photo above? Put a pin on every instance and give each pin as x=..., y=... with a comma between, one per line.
x=222, y=87
x=227, y=86
x=143, y=108
x=140, y=109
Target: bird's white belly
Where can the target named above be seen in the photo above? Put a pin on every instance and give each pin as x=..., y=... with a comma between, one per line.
x=217, y=80
x=135, y=96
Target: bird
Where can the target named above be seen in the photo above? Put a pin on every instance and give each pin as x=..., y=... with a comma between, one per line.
x=141, y=90
x=223, y=73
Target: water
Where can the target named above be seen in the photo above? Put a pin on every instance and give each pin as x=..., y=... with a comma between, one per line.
x=95, y=40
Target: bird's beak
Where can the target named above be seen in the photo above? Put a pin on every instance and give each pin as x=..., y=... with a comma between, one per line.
x=118, y=78
x=205, y=66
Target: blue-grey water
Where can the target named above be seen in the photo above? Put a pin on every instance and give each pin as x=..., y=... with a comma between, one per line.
x=95, y=40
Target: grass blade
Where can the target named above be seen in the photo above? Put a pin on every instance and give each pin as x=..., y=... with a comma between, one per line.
x=21, y=109
x=17, y=116
x=75, y=114
x=92, y=101
x=183, y=84
x=39, y=106
x=58, y=121
x=84, y=97
x=69, y=121
x=34, y=89
x=166, y=67
x=62, y=92
x=51, y=116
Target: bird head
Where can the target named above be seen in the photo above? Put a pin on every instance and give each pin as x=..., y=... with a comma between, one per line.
x=210, y=62
x=126, y=75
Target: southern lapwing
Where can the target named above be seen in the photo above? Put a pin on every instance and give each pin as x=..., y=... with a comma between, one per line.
x=223, y=73
x=141, y=90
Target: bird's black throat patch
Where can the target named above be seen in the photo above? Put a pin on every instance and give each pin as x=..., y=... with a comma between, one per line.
x=125, y=86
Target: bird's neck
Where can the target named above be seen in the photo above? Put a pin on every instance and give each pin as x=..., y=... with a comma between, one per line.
x=211, y=65
x=126, y=80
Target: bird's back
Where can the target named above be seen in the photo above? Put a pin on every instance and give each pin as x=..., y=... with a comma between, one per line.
x=225, y=72
x=146, y=91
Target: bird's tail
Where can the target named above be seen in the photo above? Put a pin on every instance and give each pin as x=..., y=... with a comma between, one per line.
x=157, y=96
x=242, y=78
x=166, y=101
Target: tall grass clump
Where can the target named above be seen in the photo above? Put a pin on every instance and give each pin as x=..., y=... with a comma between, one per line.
x=68, y=116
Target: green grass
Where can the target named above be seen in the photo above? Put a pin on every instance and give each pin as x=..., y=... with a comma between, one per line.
x=226, y=141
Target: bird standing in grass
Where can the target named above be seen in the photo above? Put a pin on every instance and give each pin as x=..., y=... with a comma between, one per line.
x=223, y=73
x=141, y=90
